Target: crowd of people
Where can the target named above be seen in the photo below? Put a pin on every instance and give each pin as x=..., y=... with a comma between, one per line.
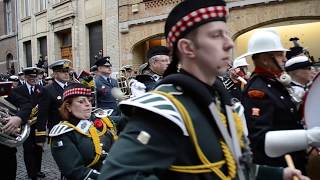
x=190, y=113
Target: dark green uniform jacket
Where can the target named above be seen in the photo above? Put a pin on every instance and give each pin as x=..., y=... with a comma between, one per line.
x=73, y=150
x=156, y=138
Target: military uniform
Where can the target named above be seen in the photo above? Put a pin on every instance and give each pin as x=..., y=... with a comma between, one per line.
x=148, y=77
x=8, y=154
x=234, y=89
x=33, y=152
x=49, y=105
x=158, y=155
x=104, y=84
x=80, y=146
x=150, y=80
x=270, y=107
x=52, y=97
x=105, y=99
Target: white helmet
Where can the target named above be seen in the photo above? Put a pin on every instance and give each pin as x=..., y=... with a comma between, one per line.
x=264, y=41
x=239, y=62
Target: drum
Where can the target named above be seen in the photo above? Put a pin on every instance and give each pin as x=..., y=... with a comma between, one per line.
x=312, y=104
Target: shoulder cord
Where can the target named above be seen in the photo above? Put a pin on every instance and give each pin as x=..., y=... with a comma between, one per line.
x=94, y=135
x=207, y=166
x=112, y=128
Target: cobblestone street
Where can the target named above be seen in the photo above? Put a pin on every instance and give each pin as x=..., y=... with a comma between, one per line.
x=49, y=167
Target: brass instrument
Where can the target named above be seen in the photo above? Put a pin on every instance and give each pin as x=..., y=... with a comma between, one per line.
x=6, y=110
x=125, y=75
x=124, y=86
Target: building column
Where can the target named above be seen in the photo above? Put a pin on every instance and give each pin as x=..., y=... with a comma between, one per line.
x=112, y=32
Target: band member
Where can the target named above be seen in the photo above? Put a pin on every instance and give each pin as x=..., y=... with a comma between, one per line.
x=21, y=78
x=52, y=98
x=8, y=154
x=268, y=104
x=158, y=61
x=236, y=78
x=32, y=147
x=41, y=80
x=180, y=131
x=48, y=80
x=80, y=143
x=15, y=80
x=104, y=85
x=302, y=73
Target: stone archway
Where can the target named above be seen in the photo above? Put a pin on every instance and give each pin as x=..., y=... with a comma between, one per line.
x=10, y=64
x=245, y=19
x=140, y=49
x=132, y=44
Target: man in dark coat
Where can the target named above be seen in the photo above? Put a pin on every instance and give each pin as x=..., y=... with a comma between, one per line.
x=32, y=147
x=104, y=85
x=8, y=154
x=181, y=130
x=268, y=104
x=21, y=78
x=52, y=98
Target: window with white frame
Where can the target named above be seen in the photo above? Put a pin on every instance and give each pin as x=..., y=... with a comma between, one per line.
x=26, y=8
x=8, y=16
x=42, y=5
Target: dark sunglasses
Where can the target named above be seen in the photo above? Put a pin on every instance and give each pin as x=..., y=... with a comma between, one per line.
x=307, y=68
x=63, y=70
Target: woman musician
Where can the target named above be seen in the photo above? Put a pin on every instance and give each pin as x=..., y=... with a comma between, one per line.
x=81, y=141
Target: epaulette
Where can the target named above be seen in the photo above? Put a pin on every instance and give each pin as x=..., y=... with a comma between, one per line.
x=59, y=129
x=256, y=94
x=158, y=104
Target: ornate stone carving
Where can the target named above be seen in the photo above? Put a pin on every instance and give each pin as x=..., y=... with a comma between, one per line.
x=159, y=3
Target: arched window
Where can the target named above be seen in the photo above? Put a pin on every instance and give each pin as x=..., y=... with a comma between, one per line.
x=8, y=16
x=9, y=63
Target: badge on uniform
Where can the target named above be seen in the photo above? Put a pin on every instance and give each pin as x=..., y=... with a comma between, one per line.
x=256, y=94
x=59, y=143
x=84, y=126
x=255, y=112
x=59, y=98
x=103, y=87
x=143, y=137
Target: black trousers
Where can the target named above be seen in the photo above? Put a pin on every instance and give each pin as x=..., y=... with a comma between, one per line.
x=32, y=155
x=8, y=162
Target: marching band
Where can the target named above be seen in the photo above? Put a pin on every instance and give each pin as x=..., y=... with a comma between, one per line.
x=190, y=113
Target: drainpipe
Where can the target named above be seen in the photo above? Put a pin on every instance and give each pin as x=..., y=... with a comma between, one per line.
x=17, y=16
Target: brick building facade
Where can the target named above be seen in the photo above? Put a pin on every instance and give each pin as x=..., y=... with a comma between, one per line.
x=141, y=22
x=69, y=29
x=8, y=37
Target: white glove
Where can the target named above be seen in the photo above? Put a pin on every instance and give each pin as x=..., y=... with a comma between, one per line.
x=137, y=88
x=278, y=143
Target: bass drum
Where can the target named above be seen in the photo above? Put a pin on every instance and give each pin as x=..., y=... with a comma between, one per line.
x=312, y=104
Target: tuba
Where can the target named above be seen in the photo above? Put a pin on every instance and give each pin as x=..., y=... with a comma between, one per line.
x=6, y=110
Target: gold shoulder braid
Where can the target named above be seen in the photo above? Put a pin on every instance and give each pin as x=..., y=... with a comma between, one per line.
x=94, y=135
x=207, y=166
x=111, y=127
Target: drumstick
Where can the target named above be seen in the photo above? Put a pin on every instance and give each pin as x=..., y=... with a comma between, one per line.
x=290, y=164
